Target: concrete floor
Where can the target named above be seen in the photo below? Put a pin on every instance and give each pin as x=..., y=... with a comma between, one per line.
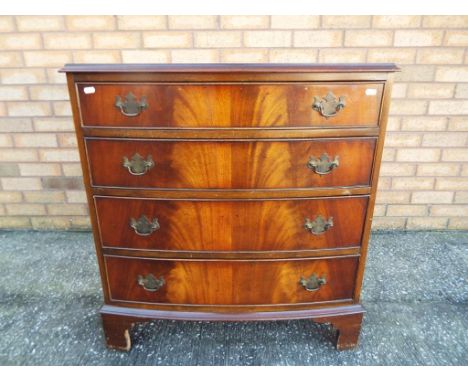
x=415, y=292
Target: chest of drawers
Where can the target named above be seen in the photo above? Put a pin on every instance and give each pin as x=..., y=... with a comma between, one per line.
x=231, y=192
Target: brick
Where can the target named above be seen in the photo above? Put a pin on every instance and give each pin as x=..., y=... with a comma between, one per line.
x=295, y=22
x=23, y=183
x=192, y=22
x=67, y=140
x=452, y=74
x=66, y=209
x=407, y=107
x=18, y=155
x=415, y=73
x=48, y=92
x=458, y=124
x=46, y=58
x=406, y=210
x=25, y=209
x=464, y=171
x=342, y=55
x=461, y=91
x=458, y=223
x=318, y=38
x=455, y=155
x=346, y=22
x=424, y=123
x=379, y=210
x=50, y=222
x=53, y=124
x=293, y=56
x=424, y=223
x=35, y=140
x=14, y=222
x=167, y=39
x=10, y=197
x=397, y=169
x=432, y=90
x=3, y=110
x=216, y=39
x=456, y=38
x=9, y=169
x=412, y=183
x=72, y=169
x=393, y=124
x=388, y=223
x=65, y=183
x=451, y=184
x=445, y=21
x=388, y=155
x=40, y=23
x=244, y=55
x=438, y=169
x=10, y=59
x=7, y=24
x=399, y=90
x=402, y=140
x=15, y=124
x=80, y=222
x=418, y=155
x=195, y=56
x=448, y=107
x=90, y=23
x=430, y=197
x=58, y=155
x=96, y=57
x=62, y=108
x=13, y=93
x=139, y=56
x=384, y=183
x=141, y=22
x=116, y=40
x=28, y=109
x=260, y=39
x=20, y=76
x=439, y=56
x=418, y=37
x=54, y=77
x=40, y=169
x=396, y=21
x=368, y=38
x=445, y=139
x=19, y=41
x=67, y=40
x=400, y=55
x=392, y=197
x=244, y=22
x=76, y=196
x=454, y=210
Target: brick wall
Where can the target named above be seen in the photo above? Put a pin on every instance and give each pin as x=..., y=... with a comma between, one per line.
x=424, y=182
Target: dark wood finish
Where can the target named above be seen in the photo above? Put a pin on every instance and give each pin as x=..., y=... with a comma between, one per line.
x=231, y=165
x=227, y=105
x=232, y=215
x=223, y=225
x=196, y=282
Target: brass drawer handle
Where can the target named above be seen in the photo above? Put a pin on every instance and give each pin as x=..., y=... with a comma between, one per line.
x=143, y=226
x=137, y=165
x=313, y=283
x=319, y=225
x=150, y=282
x=328, y=106
x=323, y=165
x=131, y=107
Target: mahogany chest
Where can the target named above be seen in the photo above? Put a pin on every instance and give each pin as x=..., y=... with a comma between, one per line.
x=231, y=192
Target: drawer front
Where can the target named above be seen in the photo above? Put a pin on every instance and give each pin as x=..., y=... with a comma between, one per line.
x=230, y=165
x=231, y=225
x=230, y=105
x=230, y=282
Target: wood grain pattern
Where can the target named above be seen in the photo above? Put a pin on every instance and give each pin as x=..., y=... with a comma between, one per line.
x=230, y=282
x=231, y=225
x=228, y=105
x=230, y=165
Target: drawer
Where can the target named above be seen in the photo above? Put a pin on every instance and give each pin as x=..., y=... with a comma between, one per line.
x=229, y=105
x=230, y=165
x=231, y=225
x=194, y=282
